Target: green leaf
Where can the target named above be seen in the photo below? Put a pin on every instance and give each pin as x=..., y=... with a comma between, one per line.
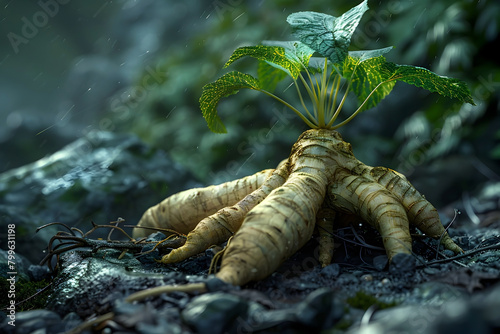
x=277, y=59
x=316, y=65
x=368, y=54
x=367, y=74
x=295, y=51
x=326, y=34
x=269, y=76
x=275, y=55
x=226, y=85
x=423, y=78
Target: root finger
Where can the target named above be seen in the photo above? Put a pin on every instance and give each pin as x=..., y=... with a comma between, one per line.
x=250, y=256
x=325, y=219
x=218, y=227
x=183, y=211
x=375, y=205
x=421, y=212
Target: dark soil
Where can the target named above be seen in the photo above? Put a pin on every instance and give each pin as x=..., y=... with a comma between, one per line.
x=357, y=289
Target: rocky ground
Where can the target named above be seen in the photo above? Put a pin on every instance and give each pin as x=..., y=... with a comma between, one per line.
x=358, y=293
x=355, y=294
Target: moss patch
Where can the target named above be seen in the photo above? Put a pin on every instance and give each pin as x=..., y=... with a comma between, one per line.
x=363, y=301
x=25, y=290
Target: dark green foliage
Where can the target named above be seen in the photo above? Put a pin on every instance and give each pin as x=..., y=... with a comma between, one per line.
x=367, y=71
x=453, y=39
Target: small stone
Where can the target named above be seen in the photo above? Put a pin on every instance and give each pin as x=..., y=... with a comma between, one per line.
x=332, y=270
x=157, y=236
x=448, y=253
x=214, y=312
x=30, y=321
x=147, y=255
x=212, y=251
x=71, y=320
x=215, y=284
x=402, y=264
x=21, y=265
x=380, y=262
x=38, y=273
x=320, y=309
x=367, y=278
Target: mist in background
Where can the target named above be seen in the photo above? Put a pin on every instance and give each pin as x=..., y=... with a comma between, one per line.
x=68, y=68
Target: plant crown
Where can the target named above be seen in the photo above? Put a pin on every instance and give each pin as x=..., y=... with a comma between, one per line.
x=366, y=73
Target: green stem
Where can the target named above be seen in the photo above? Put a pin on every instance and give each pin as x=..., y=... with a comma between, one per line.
x=322, y=96
x=301, y=98
x=309, y=123
x=311, y=90
x=359, y=108
x=333, y=96
x=337, y=112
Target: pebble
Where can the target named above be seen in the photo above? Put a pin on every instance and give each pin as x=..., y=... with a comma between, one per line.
x=38, y=273
x=448, y=253
x=214, y=284
x=320, y=310
x=385, y=281
x=72, y=320
x=331, y=271
x=148, y=256
x=34, y=320
x=157, y=236
x=462, y=315
x=214, y=312
x=213, y=250
x=402, y=264
x=380, y=262
x=367, y=278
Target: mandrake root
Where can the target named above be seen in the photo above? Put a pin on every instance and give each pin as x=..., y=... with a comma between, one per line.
x=320, y=183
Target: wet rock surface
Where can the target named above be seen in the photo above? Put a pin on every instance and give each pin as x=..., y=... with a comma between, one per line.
x=100, y=177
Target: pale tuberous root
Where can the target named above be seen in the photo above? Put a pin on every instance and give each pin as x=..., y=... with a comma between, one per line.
x=284, y=221
x=325, y=220
x=271, y=215
x=219, y=227
x=387, y=201
x=181, y=212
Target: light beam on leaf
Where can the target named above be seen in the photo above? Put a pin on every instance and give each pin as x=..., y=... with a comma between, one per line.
x=367, y=54
x=327, y=35
x=295, y=51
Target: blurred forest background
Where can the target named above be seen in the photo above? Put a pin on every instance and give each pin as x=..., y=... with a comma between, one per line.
x=70, y=67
